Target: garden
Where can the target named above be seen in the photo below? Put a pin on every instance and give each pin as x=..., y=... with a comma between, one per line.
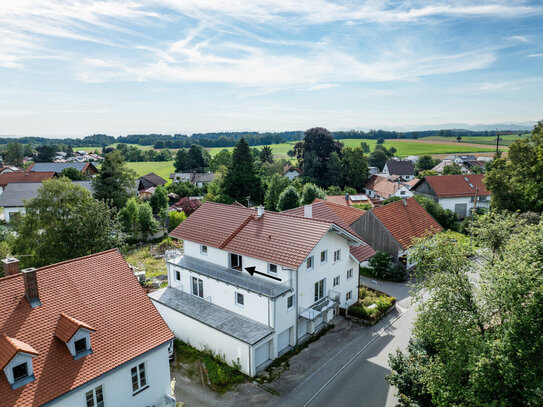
x=371, y=306
x=381, y=267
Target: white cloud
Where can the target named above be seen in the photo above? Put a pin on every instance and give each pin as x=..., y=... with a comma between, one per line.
x=535, y=55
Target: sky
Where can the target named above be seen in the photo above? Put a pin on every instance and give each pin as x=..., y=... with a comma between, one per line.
x=74, y=68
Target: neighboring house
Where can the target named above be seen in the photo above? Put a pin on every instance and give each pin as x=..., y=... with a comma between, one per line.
x=15, y=194
x=459, y=193
x=150, y=180
x=445, y=163
x=373, y=170
x=402, y=168
x=81, y=333
x=412, y=158
x=200, y=179
x=347, y=200
x=477, y=164
x=10, y=168
x=291, y=172
x=382, y=188
x=86, y=168
x=251, y=284
x=20, y=177
x=461, y=158
x=394, y=227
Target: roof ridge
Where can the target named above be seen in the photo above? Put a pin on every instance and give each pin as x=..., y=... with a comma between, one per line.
x=235, y=232
x=88, y=256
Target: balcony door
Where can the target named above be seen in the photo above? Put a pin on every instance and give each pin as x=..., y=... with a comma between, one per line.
x=197, y=287
x=235, y=261
x=319, y=289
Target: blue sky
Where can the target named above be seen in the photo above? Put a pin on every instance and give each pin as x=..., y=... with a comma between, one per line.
x=133, y=66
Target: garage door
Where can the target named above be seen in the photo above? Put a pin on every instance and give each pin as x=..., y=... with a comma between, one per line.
x=262, y=354
x=283, y=340
x=318, y=320
x=461, y=210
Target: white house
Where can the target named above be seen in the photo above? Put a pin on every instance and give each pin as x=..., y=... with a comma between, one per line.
x=401, y=168
x=459, y=193
x=291, y=172
x=81, y=333
x=252, y=283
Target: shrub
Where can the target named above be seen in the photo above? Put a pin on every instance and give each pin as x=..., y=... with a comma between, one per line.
x=176, y=218
x=397, y=272
x=380, y=263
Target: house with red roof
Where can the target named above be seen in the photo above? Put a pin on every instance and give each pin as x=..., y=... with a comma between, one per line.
x=348, y=199
x=381, y=187
x=252, y=283
x=396, y=226
x=291, y=172
x=459, y=193
x=81, y=333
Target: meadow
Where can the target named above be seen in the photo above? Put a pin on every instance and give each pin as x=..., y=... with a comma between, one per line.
x=160, y=168
x=506, y=140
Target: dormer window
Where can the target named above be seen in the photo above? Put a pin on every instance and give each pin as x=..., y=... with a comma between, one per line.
x=75, y=334
x=16, y=361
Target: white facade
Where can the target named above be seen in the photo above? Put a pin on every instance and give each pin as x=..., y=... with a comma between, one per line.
x=9, y=211
x=463, y=206
x=117, y=387
x=291, y=174
x=404, y=177
x=401, y=191
x=289, y=315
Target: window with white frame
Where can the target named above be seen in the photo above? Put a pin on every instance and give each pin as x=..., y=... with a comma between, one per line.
x=309, y=263
x=95, y=397
x=337, y=255
x=203, y=249
x=139, y=381
x=290, y=302
x=349, y=274
x=197, y=287
x=177, y=275
x=272, y=268
x=239, y=299
x=349, y=296
x=319, y=289
x=324, y=256
x=236, y=261
x=80, y=345
x=20, y=371
x=336, y=281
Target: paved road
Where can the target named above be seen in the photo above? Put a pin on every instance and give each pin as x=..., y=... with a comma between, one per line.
x=354, y=376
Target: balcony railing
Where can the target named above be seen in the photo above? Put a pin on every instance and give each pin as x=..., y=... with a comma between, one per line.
x=320, y=307
x=237, y=278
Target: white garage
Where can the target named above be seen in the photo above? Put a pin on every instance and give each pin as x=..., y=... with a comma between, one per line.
x=283, y=340
x=262, y=353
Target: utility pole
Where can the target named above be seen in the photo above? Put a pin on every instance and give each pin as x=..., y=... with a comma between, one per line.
x=497, y=144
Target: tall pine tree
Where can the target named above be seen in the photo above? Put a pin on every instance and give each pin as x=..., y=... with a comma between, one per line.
x=242, y=180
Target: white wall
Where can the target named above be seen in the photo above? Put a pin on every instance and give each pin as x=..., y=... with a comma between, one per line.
x=449, y=203
x=19, y=359
x=9, y=211
x=200, y=335
x=117, y=385
x=291, y=174
x=307, y=278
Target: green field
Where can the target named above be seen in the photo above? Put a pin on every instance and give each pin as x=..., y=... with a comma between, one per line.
x=403, y=147
x=506, y=140
x=160, y=168
x=111, y=145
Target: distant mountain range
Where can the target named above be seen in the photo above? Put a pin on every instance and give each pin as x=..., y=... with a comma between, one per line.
x=525, y=126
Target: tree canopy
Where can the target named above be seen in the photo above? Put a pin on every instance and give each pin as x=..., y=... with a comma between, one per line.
x=63, y=222
x=242, y=181
x=114, y=183
x=288, y=199
x=477, y=337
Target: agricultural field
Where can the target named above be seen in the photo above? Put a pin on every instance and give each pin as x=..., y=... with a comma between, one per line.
x=403, y=147
x=506, y=140
x=160, y=168
x=114, y=145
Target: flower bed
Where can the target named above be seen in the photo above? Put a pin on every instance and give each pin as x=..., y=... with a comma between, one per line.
x=371, y=306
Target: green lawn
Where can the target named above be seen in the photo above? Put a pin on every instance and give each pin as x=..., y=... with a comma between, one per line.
x=506, y=140
x=403, y=147
x=161, y=168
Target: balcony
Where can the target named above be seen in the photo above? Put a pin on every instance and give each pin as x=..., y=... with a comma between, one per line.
x=320, y=307
x=234, y=277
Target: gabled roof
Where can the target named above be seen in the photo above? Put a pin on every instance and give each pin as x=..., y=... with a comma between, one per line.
x=342, y=216
x=68, y=326
x=382, y=186
x=58, y=167
x=406, y=220
x=400, y=167
x=289, y=167
x=15, y=193
x=151, y=180
x=9, y=177
x=453, y=186
x=277, y=238
x=99, y=289
x=9, y=347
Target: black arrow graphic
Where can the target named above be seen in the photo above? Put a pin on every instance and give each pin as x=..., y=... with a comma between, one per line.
x=252, y=270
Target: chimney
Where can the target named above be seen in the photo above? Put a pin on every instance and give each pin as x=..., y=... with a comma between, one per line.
x=404, y=201
x=308, y=211
x=31, y=286
x=259, y=211
x=347, y=198
x=11, y=266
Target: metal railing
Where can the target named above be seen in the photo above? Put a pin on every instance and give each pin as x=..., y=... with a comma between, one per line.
x=334, y=295
x=238, y=278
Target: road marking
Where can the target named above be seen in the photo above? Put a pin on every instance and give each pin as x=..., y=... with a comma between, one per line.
x=379, y=333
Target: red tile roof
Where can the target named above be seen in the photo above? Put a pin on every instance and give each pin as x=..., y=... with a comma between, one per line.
x=9, y=177
x=277, y=238
x=99, y=289
x=406, y=220
x=452, y=186
x=362, y=252
x=382, y=186
x=9, y=347
x=340, y=199
x=68, y=326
